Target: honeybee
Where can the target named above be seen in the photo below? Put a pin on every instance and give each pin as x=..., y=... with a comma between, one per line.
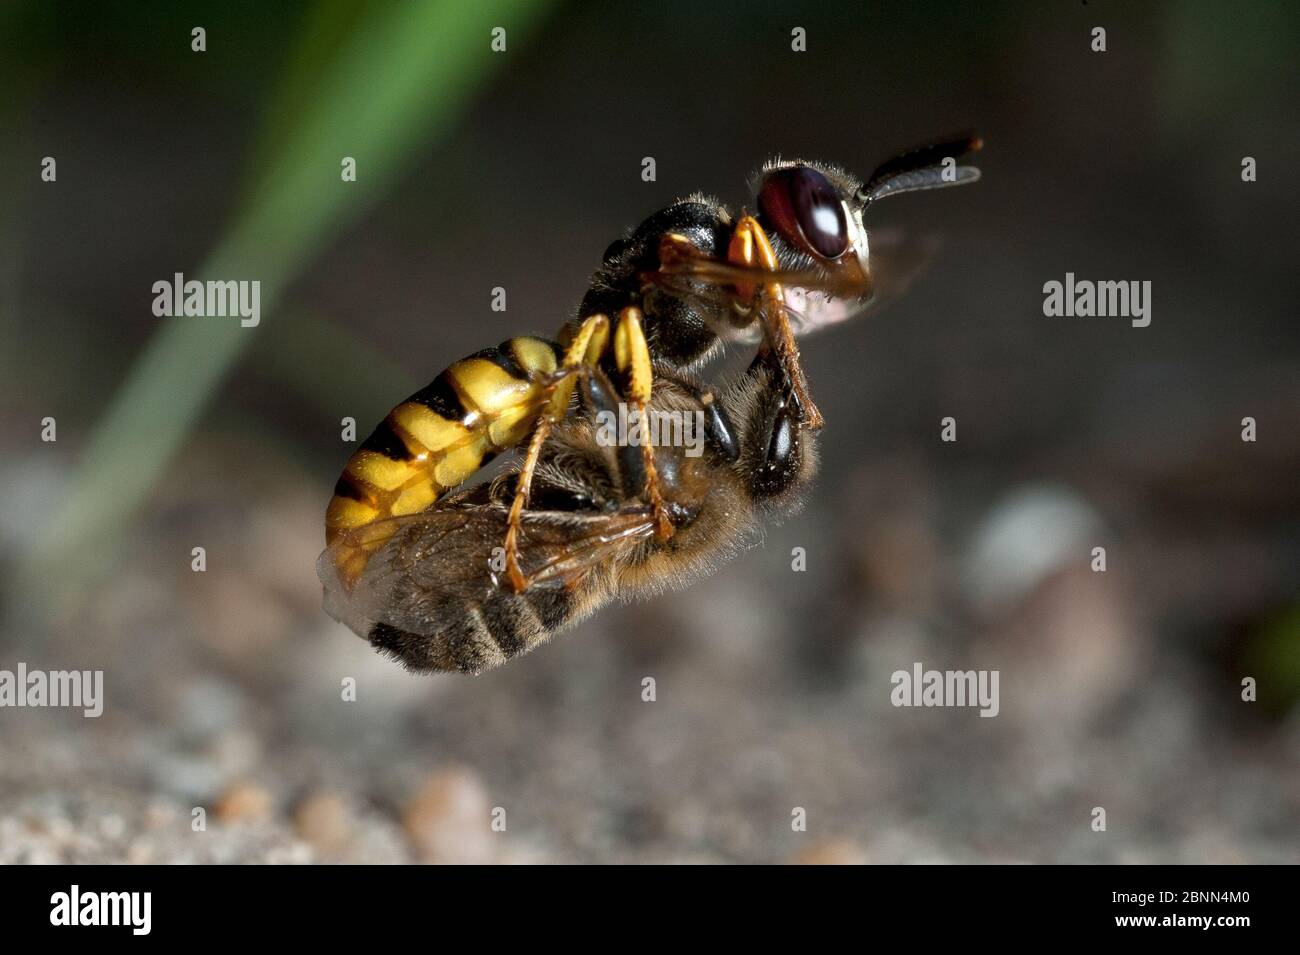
x=404, y=564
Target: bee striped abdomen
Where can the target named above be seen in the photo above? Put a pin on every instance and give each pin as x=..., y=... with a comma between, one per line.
x=435, y=439
x=480, y=636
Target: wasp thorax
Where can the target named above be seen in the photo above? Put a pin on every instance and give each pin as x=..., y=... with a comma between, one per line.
x=806, y=209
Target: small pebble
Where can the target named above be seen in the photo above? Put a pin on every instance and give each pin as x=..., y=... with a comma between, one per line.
x=831, y=852
x=244, y=802
x=325, y=820
x=449, y=819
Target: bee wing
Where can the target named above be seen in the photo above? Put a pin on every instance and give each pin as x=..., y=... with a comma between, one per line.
x=423, y=566
x=812, y=302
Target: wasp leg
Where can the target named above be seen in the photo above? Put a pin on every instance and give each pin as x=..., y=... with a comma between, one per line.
x=632, y=359
x=517, y=579
x=585, y=348
x=750, y=247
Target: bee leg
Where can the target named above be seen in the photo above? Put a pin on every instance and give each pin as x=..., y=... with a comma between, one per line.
x=632, y=358
x=718, y=429
x=584, y=349
x=750, y=247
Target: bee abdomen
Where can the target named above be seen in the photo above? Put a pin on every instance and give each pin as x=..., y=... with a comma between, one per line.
x=479, y=636
x=438, y=437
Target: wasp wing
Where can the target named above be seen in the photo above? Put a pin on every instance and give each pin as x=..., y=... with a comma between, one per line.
x=424, y=566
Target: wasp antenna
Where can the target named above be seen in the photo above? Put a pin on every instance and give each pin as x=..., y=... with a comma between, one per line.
x=919, y=180
x=922, y=169
x=926, y=156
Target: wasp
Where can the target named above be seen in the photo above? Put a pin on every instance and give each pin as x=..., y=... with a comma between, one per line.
x=576, y=522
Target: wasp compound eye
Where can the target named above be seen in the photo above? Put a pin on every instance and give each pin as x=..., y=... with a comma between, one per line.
x=805, y=208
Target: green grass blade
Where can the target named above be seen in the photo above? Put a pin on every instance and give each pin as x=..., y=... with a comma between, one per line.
x=397, y=79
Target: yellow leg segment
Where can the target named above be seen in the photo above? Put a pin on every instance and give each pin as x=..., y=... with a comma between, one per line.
x=586, y=347
x=750, y=247
x=632, y=357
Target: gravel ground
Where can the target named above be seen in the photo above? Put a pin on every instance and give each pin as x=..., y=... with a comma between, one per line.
x=223, y=694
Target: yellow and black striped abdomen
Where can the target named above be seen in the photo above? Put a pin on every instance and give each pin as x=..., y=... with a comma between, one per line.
x=438, y=437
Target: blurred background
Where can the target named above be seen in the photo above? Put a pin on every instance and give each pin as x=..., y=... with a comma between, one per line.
x=478, y=169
